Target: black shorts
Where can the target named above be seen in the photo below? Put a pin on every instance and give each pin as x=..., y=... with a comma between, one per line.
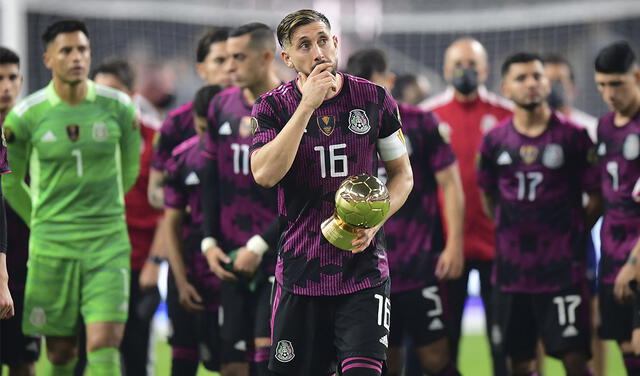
x=15, y=347
x=418, y=314
x=245, y=315
x=193, y=330
x=311, y=333
x=560, y=319
x=616, y=319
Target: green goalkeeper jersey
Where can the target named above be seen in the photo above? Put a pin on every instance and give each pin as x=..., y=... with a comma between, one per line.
x=81, y=160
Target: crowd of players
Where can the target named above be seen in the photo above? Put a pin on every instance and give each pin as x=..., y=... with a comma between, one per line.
x=233, y=186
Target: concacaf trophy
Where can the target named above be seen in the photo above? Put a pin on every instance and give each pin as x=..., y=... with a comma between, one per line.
x=362, y=201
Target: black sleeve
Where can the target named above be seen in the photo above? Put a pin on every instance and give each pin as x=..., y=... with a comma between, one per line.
x=271, y=234
x=210, y=198
x=3, y=225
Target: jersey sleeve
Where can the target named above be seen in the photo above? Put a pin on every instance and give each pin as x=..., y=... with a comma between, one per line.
x=390, y=122
x=487, y=172
x=164, y=143
x=17, y=136
x=587, y=162
x=263, y=124
x=174, y=192
x=439, y=151
x=212, y=127
x=130, y=147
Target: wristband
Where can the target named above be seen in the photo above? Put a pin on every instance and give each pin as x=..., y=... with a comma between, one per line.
x=207, y=243
x=257, y=245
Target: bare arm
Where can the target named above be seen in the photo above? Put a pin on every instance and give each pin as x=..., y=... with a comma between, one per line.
x=451, y=260
x=489, y=205
x=155, y=194
x=594, y=208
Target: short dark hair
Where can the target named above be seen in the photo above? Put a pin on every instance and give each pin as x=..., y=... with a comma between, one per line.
x=261, y=35
x=63, y=26
x=210, y=37
x=294, y=20
x=7, y=56
x=617, y=57
x=365, y=63
x=402, y=82
x=119, y=68
x=518, y=57
x=203, y=97
x=559, y=59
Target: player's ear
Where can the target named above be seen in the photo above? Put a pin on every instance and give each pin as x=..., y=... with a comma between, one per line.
x=286, y=58
x=267, y=55
x=335, y=41
x=200, y=71
x=46, y=59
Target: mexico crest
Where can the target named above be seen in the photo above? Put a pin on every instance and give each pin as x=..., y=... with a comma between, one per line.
x=358, y=121
x=99, y=132
x=284, y=351
x=553, y=156
x=631, y=147
x=327, y=124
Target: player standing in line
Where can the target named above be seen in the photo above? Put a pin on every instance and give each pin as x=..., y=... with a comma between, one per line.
x=193, y=296
x=211, y=58
x=533, y=170
x=244, y=210
x=467, y=112
x=142, y=220
x=617, y=77
x=17, y=350
x=418, y=262
x=310, y=134
x=81, y=145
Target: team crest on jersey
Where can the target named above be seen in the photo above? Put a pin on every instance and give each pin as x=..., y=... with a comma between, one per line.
x=245, y=127
x=631, y=147
x=284, y=351
x=529, y=153
x=73, y=131
x=358, y=121
x=553, y=156
x=327, y=124
x=99, y=132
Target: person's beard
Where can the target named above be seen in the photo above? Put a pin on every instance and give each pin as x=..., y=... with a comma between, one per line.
x=530, y=106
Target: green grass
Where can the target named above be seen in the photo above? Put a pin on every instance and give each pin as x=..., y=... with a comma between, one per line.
x=474, y=354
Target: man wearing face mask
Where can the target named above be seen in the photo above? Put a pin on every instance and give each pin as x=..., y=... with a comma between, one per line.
x=468, y=111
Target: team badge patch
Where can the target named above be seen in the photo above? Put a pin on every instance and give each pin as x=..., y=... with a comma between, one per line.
x=284, y=351
x=359, y=122
x=553, y=156
x=245, y=127
x=529, y=153
x=73, y=131
x=631, y=147
x=327, y=124
x=99, y=132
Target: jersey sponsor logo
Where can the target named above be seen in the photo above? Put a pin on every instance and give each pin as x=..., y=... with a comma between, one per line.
x=436, y=324
x=7, y=135
x=99, y=132
x=553, y=156
x=529, y=153
x=570, y=331
x=358, y=121
x=49, y=137
x=631, y=147
x=192, y=179
x=384, y=340
x=602, y=149
x=496, y=334
x=240, y=345
x=487, y=123
x=284, y=351
x=327, y=124
x=445, y=132
x=245, y=126
x=73, y=131
x=225, y=129
x=37, y=317
x=254, y=126
x=504, y=159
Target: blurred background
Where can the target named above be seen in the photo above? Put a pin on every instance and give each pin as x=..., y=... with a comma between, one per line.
x=159, y=38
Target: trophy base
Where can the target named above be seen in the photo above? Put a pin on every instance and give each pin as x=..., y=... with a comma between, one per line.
x=339, y=233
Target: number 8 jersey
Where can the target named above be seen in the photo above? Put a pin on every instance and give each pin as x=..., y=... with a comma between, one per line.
x=343, y=137
x=537, y=184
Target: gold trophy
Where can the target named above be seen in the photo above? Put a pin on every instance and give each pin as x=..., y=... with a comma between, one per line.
x=362, y=201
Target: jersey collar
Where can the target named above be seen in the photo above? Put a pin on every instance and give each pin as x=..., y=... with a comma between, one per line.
x=54, y=98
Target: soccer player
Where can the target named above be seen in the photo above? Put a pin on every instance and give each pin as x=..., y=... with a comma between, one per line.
x=142, y=220
x=211, y=58
x=533, y=170
x=80, y=143
x=310, y=134
x=617, y=77
x=419, y=261
x=193, y=290
x=17, y=350
x=411, y=89
x=467, y=112
x=244, y=210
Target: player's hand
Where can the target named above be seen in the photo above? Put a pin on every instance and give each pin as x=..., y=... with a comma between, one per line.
x=317, y=85
x=6, y=303
x=149, y=275
x=246, y=262
x=189, y=297
x=621, y=289
x=216, y=258
x=450, y=264
x=363, y=238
